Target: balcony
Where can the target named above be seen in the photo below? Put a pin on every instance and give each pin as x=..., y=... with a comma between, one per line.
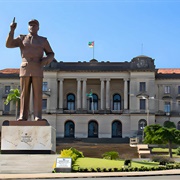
x=85, y=111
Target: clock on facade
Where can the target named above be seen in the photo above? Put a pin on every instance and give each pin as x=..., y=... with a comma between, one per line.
x=142, y=63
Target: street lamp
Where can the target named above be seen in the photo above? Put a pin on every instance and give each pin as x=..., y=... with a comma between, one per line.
x=142, y=128
x=147, y=107
x=147, y=111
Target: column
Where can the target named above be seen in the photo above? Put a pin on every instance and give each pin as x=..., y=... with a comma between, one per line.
x=102, y=94
x=84, y=95
x=108, y=94
x=125, y=94
x=78, y=94
x=61, y=94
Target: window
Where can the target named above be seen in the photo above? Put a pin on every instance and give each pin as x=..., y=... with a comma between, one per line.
x=45, y=86
x=142, y=104
x=116, y=102
x=142, y=86
x=7, y=89
x=167, y=89
x=93, y=102
x=70, y=102
x=44, y=104
x=178, y=89
x=167, y=107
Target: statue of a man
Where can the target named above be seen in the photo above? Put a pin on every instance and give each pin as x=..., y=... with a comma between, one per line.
x=32, y=47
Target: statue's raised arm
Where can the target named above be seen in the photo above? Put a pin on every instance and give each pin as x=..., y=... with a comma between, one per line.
x=11, y=42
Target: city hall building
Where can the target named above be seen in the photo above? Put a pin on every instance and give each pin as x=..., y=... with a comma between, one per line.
x=102, y=99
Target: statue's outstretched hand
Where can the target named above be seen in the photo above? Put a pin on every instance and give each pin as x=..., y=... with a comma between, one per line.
x=13, y=25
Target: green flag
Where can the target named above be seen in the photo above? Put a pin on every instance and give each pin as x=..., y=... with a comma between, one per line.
x=90, y=95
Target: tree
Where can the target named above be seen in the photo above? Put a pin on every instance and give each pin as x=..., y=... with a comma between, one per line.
x=169, y=124
x=13, y=96
x=157, y=134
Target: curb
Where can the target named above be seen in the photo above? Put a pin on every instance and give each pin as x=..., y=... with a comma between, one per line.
x=90, y=175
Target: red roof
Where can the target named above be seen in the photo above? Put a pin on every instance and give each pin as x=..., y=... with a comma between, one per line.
x=10, y=71
x=169, y=71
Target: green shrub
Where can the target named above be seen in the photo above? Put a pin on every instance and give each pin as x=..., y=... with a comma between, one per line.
x=115, y=169
x=170, y=166
x=68, y=153
x=178, y=151
x=177, y=166
x=93, y=170
x=98, y=169
x=72, y=153
x=78, y=153
x=112, y=155
x=163, y=160
x=135, y=168
x=82, y=169
x=104, y=170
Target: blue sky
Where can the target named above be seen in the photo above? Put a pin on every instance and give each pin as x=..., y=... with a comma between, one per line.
x=120, y=29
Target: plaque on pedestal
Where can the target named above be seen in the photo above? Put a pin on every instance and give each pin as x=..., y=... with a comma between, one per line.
x=28, y=137
x=63, y=165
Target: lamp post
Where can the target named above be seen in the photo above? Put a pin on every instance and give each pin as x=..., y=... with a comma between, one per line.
x=147, y=107
x=147, y=111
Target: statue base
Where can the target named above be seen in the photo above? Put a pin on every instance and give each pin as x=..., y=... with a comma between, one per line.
x=28, y=137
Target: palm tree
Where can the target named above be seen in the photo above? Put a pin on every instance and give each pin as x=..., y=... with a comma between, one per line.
x=13, y=96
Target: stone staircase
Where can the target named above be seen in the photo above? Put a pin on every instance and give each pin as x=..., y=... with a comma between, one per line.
x=143, y=150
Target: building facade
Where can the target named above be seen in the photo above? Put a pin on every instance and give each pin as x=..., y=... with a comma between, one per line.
x=102, y=99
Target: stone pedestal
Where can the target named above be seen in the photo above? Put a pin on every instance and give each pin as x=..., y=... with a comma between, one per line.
x=28, y=137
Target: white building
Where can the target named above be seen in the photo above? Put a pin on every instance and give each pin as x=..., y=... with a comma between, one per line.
x=127, y=96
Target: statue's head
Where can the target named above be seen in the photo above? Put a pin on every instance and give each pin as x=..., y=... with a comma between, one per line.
x=33, y=26
x=34, y=21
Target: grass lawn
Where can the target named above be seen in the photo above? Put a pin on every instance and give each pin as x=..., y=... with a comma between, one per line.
x=104, y=163
x=163, y=150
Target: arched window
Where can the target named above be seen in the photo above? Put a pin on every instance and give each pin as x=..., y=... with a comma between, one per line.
x=70, y=102
x=142, y=124
x=116, y=129
x=69, y=129
x=93, y=103
x=93, y=129
x=178, y=125
x=116, y=102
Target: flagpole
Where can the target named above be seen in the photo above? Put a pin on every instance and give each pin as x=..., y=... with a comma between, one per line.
x=91, y=45
x=92, y=106
x=90, y=95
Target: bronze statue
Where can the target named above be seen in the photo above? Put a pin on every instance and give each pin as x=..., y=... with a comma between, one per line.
x=32, y=47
